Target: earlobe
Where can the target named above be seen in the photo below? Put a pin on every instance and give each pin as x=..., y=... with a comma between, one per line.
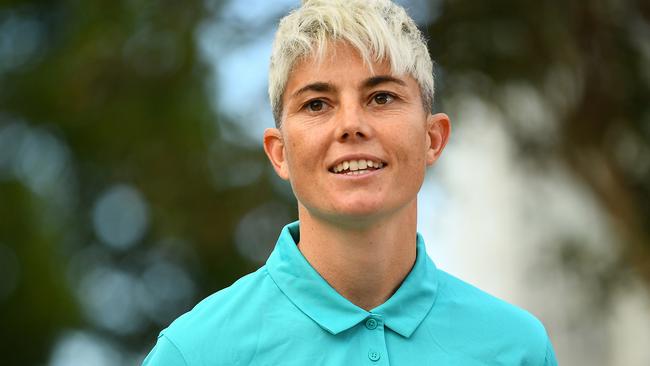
x=438, y=131
x=274, y=149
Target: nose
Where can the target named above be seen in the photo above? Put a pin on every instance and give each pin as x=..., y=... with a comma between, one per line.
x=352, y=123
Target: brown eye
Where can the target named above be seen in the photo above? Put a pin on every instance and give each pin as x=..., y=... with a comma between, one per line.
x=382, y=98
x=315, y=105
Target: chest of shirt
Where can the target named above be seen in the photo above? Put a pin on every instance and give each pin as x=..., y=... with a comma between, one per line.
x=296, y=341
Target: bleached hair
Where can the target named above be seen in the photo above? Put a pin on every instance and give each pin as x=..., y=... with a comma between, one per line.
x=378, y=29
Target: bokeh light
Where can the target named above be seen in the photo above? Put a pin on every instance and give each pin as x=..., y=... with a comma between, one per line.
x=120, y=216
x=108, y=296
x=78, y=348
x=21, y=38
x=257, y=231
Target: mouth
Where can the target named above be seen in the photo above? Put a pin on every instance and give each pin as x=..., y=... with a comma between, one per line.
x=357, y=167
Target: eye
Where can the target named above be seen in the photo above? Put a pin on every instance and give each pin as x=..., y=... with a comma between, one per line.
x=316, y=105
x=383, y=98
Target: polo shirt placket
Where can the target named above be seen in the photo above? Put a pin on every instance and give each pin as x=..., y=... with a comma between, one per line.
x=376, y=340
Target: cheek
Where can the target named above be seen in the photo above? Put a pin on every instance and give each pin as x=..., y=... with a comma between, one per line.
x=302, y=155
x=414, y=148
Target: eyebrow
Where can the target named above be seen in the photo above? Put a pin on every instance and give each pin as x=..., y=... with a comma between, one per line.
x=316, y=87
x=381, y=79
x=369, y=83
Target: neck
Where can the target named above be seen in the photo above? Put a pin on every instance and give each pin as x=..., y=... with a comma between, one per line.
x=365, y=264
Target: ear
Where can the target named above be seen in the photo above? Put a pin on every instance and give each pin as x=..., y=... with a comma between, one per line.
x=438, y=130
x=274, y=149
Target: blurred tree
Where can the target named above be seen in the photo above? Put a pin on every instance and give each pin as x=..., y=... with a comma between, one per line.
x=588, y=62
x=118, y=89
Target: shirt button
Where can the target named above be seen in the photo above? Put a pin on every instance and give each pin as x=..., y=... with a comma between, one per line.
x=371, y=324
x=374, y=355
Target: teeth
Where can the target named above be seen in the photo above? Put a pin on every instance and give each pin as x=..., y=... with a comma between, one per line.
x=357, y=172
x=362, y=164
x=355, y=166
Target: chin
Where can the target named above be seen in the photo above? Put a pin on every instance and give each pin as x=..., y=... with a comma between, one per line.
x=351, y=214
x=359, y=207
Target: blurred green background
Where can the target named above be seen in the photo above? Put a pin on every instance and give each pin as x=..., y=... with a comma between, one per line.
x=133, y=182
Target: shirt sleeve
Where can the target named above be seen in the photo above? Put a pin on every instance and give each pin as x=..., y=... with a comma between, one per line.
x=164, y=353
x=550, y=360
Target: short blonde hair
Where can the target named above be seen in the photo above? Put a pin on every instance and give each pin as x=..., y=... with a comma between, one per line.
x=378, y=29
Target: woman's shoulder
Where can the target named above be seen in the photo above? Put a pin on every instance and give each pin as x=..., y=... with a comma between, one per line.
x=488, y=319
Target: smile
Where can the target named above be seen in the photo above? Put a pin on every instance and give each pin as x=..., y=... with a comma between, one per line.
x=356, y=167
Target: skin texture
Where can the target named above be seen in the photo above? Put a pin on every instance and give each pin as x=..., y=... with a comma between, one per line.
x=358, y=232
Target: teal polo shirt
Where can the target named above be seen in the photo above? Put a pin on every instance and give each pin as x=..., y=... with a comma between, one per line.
x=285, y=313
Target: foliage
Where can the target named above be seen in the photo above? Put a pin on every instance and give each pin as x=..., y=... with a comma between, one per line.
x=588, y=63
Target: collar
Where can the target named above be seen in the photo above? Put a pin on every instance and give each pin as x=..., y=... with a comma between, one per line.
x=308, y=291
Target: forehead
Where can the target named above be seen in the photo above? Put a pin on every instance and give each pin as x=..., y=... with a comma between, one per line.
x=342, y=52
x=336, y=59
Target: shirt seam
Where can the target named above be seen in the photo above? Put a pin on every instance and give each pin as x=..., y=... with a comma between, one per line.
x=546, y=354
x=177, y=348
